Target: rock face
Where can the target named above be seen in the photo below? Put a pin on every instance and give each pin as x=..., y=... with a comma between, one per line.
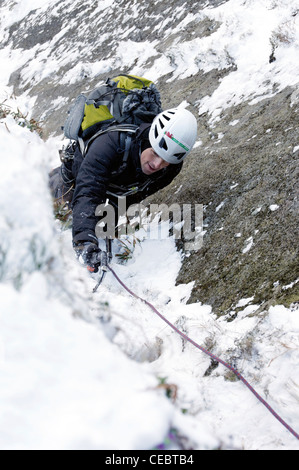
x=248, y=182
x=245, y=172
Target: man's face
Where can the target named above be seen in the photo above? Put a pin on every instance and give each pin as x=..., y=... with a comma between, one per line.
x=151, y=162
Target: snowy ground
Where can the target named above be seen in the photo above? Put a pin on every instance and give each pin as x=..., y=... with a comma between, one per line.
x=80, y=370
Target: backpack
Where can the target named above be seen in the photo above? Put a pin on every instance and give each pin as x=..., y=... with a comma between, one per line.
x=122, y=104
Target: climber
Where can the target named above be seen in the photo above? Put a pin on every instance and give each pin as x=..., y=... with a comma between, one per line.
x=153, y=158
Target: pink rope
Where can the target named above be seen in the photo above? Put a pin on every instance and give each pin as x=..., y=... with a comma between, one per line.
x=215, y=358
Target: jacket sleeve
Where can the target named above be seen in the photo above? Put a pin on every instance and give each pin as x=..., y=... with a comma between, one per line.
x=174, y=170
x=157, y=184
x=91, y=185
x=164, y=180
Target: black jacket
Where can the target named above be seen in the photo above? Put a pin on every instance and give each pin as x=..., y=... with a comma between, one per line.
x=97, y=174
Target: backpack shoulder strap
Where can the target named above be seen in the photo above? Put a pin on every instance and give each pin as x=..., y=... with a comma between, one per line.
x=129, y=129
x=125, y=141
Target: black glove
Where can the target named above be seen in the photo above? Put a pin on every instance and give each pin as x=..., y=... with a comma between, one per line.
x=91, y=255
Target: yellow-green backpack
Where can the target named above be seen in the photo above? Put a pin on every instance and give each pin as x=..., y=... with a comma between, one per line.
x=123, y=103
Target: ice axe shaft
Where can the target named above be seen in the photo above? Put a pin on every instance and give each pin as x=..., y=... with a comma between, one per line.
x=106, y=257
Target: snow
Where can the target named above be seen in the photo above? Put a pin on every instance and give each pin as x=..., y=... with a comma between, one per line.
x=249, y=244
x=80, y=370
x=220, y=206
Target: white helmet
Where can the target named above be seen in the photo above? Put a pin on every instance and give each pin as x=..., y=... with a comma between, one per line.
x=173, y=134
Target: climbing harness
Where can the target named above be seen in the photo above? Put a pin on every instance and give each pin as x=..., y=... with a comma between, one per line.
x=211, y=355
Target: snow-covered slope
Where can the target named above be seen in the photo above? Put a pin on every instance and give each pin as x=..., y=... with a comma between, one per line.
x=68, y=45
x=80, y=370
